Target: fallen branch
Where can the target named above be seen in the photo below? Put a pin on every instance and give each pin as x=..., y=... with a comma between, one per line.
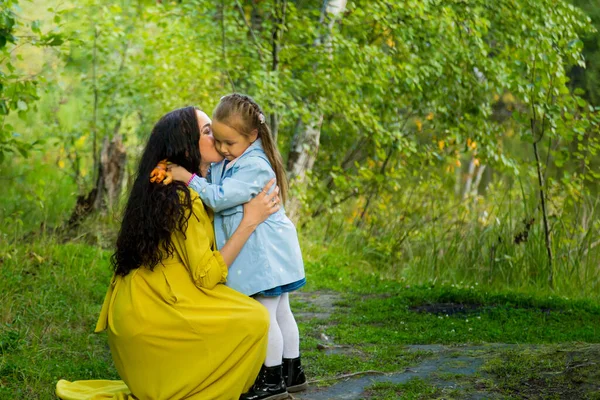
x=588, y=364
x=571, y=368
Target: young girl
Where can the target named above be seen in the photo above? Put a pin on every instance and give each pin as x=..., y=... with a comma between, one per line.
x=270, y=264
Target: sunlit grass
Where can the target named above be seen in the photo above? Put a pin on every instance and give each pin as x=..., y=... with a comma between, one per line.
x=496, y=242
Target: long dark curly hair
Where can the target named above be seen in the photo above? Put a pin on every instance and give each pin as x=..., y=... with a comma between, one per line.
x=154, y=211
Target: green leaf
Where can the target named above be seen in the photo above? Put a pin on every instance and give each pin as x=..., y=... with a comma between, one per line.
x=35, y=26
x=52, y=39
x=23, y=151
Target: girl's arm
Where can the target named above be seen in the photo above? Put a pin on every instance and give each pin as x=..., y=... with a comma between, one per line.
x=246, y=182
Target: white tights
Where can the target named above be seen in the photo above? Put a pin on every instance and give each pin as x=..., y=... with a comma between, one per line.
x=284, y=338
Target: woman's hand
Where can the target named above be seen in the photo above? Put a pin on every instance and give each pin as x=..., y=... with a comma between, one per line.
x=179, y=173
x=262, y=205
x=256, y=211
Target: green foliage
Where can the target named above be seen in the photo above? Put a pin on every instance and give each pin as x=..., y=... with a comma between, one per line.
x=397, y=96
x=588, y=77
x=18, y=89
x=417, y=98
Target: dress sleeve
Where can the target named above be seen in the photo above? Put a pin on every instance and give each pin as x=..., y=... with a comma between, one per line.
x=102, y=323
x=197, y=249
x=247, y=180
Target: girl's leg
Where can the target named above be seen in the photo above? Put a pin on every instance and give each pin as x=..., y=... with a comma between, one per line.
x=269, y=384
x=288, y=328
x=293, y=372
x=275, y=347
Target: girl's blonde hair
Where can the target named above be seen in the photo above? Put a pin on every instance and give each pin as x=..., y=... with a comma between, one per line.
x=241, y=113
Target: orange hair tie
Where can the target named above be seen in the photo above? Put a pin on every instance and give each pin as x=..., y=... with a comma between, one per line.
x=160, y=174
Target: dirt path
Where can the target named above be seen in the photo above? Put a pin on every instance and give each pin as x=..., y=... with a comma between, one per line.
x=445, y=362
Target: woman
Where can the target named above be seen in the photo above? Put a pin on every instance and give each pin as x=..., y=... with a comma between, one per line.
x=175, y=332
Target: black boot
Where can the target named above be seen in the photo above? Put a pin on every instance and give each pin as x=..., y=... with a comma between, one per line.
x=269, y=385
x=293, y=375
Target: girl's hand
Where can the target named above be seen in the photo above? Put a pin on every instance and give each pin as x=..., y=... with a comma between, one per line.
x=179, y=173
x=262, y=206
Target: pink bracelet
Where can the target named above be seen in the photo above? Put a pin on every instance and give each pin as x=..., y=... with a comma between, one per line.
x=190, y=181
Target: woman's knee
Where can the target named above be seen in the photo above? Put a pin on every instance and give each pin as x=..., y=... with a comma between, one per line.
x=261, y=320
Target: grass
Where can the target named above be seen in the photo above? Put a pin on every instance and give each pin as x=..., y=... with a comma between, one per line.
x=415, y=389
x=369, y=320
x=423, y=235
x=51, y=294
x=31, y=199
x=373, y=320
x=555, y=372
x=507, y=316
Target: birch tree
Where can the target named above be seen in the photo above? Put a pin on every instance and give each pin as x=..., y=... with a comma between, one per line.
x=305, y=142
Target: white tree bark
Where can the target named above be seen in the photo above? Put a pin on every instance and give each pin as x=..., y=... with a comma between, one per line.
x=480, y=172
x=470, y=176
x=305, y=142
x=304, y=149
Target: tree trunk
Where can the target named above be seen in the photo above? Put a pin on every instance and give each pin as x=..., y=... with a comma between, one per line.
x=470, y=176
x=477, y=182
x=547, y=236
x=305, y=142
x=302, y=156
x=304, y=149
x=113, y=160
x=279, y=21
x=111, y=170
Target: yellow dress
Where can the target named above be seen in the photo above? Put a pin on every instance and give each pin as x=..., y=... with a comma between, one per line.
x=177, y=332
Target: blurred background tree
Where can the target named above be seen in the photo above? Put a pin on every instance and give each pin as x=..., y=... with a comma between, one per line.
x=18, y=82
